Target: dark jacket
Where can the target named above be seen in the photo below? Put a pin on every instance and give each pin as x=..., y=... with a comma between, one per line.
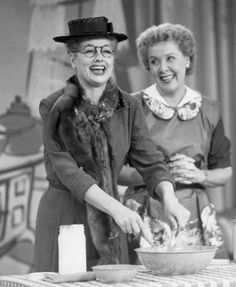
x=131, y=142
x=63, y=203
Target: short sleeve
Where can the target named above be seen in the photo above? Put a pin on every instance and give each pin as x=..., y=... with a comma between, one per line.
x=219, y=155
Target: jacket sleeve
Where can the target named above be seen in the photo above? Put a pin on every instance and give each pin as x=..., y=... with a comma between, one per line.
x=145, y=156
x=63, y=164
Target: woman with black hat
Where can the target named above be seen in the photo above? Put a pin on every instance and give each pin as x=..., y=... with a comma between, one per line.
x=90, y=129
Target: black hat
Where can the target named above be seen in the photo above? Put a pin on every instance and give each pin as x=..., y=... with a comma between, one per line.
x=89, y=27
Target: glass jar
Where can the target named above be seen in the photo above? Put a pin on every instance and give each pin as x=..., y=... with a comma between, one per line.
x=72, y=249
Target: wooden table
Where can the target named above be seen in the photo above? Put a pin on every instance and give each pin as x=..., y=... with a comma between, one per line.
x=215, y=275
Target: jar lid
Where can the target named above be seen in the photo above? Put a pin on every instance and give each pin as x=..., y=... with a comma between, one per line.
x=72, y=227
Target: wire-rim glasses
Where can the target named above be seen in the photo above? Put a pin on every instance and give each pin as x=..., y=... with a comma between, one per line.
x=90, y=51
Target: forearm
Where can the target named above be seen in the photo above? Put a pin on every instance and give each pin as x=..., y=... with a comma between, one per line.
x=129, y=176
x=216, y=177
x=128, y=220
x=185, y=171
x=101, y=200
x=174, y=212
x=165, y=190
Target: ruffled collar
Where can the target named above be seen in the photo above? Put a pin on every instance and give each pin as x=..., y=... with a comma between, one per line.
x=187, y=108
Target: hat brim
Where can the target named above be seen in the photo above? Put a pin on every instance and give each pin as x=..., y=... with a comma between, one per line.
x=118, y=36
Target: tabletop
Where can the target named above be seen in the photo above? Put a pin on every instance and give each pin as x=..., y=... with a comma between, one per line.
x=215, y=275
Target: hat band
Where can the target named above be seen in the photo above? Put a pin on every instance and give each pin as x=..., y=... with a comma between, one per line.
x=81, y=28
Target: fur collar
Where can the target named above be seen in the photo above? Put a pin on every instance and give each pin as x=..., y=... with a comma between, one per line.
x=82, y=129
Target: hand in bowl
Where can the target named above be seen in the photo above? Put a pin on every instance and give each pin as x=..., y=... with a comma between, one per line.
x=175, y=213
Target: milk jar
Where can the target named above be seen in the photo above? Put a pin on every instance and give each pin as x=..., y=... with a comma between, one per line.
x=72, y=249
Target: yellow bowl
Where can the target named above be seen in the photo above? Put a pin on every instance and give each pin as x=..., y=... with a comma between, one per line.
x=177, y=262
x=115, y=273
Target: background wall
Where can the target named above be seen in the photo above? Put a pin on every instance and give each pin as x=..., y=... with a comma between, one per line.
x=14, y=30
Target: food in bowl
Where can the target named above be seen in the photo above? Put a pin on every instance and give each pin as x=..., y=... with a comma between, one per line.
x=115, y=273
x=190, y=260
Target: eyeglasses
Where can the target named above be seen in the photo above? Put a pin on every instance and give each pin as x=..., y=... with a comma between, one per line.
x=90, y=51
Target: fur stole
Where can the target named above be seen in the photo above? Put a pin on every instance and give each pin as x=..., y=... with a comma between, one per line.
x=82, y=129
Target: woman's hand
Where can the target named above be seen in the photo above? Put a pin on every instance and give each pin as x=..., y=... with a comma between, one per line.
x=175, y=212
x=184, y=170
x=128, y=220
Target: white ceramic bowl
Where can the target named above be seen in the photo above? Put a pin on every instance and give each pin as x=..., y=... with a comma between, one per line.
x=177, y=262
x=115, y=273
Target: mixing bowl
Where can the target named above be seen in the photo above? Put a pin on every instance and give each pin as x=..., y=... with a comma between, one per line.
x=189, y=260
x=115, y=273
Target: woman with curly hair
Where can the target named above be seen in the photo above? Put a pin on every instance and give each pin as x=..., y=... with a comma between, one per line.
x=188, y=128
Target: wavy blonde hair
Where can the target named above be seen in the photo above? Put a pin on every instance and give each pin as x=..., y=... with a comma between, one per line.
x=182, y=36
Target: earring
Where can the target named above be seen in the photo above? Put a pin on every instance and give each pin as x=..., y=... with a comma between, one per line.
x=187, y=65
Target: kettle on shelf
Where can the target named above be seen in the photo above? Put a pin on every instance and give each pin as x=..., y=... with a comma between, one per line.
x=21, y=133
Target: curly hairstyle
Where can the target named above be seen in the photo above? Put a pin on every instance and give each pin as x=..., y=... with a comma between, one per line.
x=182, y=36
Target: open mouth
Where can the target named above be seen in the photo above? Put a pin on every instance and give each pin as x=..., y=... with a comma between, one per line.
x=166, y=78
x=97, y=69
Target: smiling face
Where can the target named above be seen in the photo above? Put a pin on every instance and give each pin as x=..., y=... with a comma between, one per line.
x=96, y=70
x=168, y=68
